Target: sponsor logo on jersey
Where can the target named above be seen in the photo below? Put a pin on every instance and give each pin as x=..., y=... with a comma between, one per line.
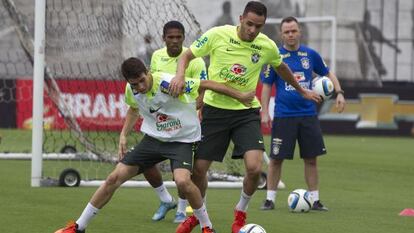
x=302, y=54
x=255, y=57
x=165, y=123
x=301, y=79
x=233, y=41
x=257, y=47
x=285, y=55
x=201, y=41
x=299, y=76
x=305, y=63
x=238, y=69
x=234, y=74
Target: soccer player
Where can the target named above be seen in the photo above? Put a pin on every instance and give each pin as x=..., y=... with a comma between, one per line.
x=295, y=118
x=170, y=125
x=237, y=55
x=165, y=60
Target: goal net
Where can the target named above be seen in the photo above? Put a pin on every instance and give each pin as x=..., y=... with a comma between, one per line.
x=86, y=41
x=84, y=107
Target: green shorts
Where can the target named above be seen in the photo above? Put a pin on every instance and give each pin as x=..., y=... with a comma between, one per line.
x=219, y=126
x=151, y=151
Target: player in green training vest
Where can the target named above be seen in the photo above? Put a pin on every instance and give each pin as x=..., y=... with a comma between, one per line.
x=165, y=60
x=170, y=126
x=237, y=55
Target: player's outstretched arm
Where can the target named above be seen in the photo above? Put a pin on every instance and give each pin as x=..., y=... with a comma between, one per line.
x=284, y=71
x=177, y=83
x=130, y=120
x=245, y=98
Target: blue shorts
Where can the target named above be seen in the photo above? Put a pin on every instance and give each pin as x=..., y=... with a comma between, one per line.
x=305, y=130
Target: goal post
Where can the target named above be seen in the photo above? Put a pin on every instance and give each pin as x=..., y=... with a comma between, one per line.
x=38, y=81
x=77, y=61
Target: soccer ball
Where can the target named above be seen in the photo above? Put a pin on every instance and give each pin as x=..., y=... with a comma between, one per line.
x=252, y=228
x=323, y=86
x=299, y=201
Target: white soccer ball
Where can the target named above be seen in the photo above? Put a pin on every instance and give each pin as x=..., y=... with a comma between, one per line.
x=252, y=228
x=323, y=86
x=299, y=201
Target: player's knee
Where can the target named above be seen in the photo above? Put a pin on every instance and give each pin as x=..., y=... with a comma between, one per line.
x=253, y=170
x=112, y=180
x=182, y=182
x=199, y=173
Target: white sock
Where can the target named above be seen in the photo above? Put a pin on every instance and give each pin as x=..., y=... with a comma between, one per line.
x=88, y=213
x=243, y=202
x=314, y=195
x=163, y=193
x=202, y=216
x=271, y=195
x=182, y=205
x=205, y=199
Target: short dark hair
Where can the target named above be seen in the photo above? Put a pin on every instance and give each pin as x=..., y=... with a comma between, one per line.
x=173, y=24
x=256, y=7
x=132, y=68
x=288, y=20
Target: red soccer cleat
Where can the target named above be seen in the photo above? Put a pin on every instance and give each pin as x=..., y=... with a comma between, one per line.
x=71, y=227
x=239, y=221
x=188, y=225
x=207, y=230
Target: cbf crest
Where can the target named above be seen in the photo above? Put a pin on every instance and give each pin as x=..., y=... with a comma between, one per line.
x=255, y=57
x=276, y=143
x=305, y=63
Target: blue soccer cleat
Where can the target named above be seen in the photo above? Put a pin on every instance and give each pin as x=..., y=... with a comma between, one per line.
x=163, y=209
x=179, y=217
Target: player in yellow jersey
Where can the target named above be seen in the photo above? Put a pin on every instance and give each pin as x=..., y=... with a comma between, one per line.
x=237, y=55
x=165, y=60
x=170, y=126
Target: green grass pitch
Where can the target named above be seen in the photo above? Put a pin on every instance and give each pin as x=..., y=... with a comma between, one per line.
x=364, y=181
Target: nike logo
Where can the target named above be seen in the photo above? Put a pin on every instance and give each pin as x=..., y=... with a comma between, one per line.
x=186, y=164
x=152, y=110
x=260, y=142
x=229, y=50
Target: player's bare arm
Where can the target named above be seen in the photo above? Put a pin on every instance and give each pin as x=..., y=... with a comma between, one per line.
x=266, y=91
x=177, y=83
x=340, y=98
x=130, y=120
x=284, y=71
x=199, y=100
x=244, y=97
